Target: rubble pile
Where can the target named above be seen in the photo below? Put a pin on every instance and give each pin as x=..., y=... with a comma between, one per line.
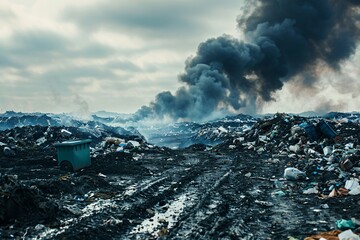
x=216, y=132
x=185, y=134
x=125, y=144
x=9, y=120
x=326, y=152
x=279, y=177
x=20, y=140
x=23, y=203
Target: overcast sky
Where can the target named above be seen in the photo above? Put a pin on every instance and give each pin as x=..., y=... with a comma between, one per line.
x=116, y=55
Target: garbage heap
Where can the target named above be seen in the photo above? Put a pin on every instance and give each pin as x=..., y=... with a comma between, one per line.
x=316, y=147
x=216, y=132
x=320, y=157
x=39, y=139
x=24, y=203
x=124, y=144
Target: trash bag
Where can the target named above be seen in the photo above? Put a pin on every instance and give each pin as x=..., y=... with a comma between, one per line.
x=294, y=174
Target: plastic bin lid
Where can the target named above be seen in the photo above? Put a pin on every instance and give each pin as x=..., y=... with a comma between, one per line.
x=72, y=142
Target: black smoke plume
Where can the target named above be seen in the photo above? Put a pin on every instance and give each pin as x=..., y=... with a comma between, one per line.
x=284, y=39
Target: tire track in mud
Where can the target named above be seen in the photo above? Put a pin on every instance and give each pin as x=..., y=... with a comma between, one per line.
x=134, y=207
x=218, y=213
x=190, y=177
x=200, y=196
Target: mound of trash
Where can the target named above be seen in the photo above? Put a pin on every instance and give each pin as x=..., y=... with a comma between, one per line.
x=24, y=203
x=278, y=177
x=325, y=151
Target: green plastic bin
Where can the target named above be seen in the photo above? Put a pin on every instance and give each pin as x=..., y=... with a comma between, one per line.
x=73, y=155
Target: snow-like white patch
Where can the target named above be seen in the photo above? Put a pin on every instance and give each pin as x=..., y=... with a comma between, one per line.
x=223, y=130
x=97, y=206
x=171, y=216
x=129, y=191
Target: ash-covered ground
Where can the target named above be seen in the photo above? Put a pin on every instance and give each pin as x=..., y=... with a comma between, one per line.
x=218, y=180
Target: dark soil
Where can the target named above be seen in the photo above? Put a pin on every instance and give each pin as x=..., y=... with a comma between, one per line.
x=167, y=194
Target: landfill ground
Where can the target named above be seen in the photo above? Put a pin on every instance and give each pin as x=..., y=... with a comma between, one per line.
x=198, y=192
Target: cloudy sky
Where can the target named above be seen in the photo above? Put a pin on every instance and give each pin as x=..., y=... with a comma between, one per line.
x=116, y=55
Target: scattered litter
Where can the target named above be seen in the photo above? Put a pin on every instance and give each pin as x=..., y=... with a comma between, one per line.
x=102, y=175
x=311, y=191
x=344, y=224
x=278, y=149
x=294, y=174
x=264, y=203
x=8, y=152
x=248, y=174
x=332, y=235
x=65, y=133
x=348, y=235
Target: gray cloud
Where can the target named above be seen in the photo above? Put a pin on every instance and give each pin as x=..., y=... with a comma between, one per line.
x=90, y=50
x=5, y=61
x=37, y=42
x=71, y=73
x=6, y=14
x=36, y=61
x=34, y=46
x=156, y=19
x=123, y=65
x=23, y=49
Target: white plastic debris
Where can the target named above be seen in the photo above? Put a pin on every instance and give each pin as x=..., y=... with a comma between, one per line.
x=102, y=175
x=295, y=129
x=353, y=185
x=327, y=151
x=311, y=151
x=134, y=143
x=292, y=173
x=355, y=191
x=264, y=203
x=248, y=175
x=263, y=138
x=349, y=146
x=65, y=133
x=240, y=139
x=40, y=141
x=348, y=235
x=294, y=148
x=39, y=227
x=311, y=191
x=8, y=152
x=324, y=206
x=222, y=130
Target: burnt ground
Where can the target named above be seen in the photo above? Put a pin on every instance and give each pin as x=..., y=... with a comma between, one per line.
x=194, y=193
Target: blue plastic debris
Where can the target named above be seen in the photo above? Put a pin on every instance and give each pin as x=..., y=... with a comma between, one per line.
x=326, y=130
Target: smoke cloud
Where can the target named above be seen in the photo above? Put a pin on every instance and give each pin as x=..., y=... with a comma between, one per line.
x=82, y=107
x=283, y=39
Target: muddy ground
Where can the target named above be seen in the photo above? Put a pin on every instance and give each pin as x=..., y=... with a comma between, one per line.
x=194, y=193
